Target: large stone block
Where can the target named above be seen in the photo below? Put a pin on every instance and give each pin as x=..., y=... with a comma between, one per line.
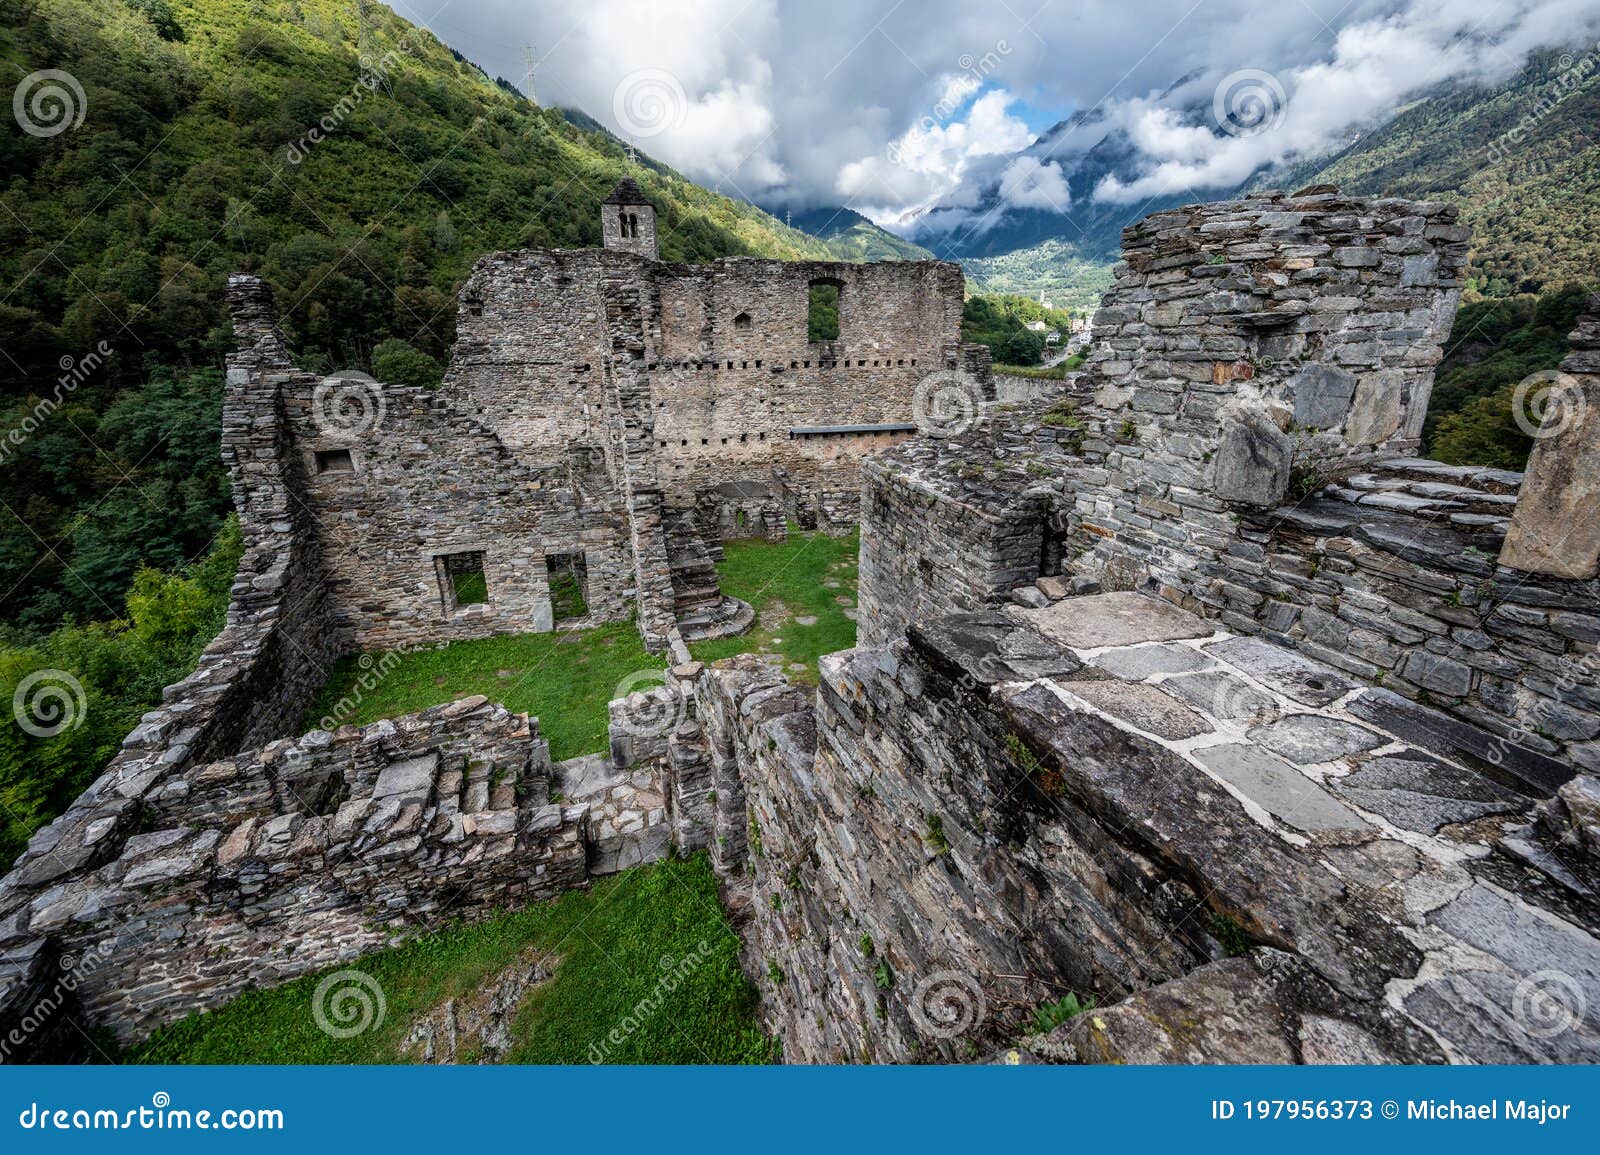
x=1252, y=463
x=1556, y=527
x=1375, y=413
x=1322, y=395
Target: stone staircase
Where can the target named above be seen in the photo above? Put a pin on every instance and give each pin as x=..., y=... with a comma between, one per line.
x=702, y=610
x=1468, y=497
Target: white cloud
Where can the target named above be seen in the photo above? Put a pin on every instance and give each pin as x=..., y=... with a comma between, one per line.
x=1305, y=110
x=1027, y=183
x=932, y=160
x=794, y=102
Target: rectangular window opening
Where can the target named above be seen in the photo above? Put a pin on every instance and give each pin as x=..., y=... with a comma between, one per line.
x=569, y=576
x=822, y=314
x=335, y=461
x=462, y=580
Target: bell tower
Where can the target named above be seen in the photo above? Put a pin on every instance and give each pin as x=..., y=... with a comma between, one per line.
x=628, y=221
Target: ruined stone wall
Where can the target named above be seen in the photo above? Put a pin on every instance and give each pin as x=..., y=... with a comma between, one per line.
x=1249, y=341
x=722, y=351
x=1392, y=576
x=424, y=482
x=251, y=870
x=953, y=525
x=1186, y=826
x=530, y=349
x=256, y=678
x=286, y=860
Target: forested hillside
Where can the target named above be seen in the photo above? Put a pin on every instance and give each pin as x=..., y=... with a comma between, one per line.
x=852, y=237
x=224, y=135
x=1522, y=159
x=361, y=172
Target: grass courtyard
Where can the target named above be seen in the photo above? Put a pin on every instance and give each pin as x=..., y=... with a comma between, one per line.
x=605, y=948
x=801, y=589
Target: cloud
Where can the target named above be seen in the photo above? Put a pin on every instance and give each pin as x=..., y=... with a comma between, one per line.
x=1260, y=118
x=922, y=113
x=932, y=161
x=1028, y=183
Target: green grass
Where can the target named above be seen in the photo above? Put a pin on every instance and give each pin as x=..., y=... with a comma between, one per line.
x=564, y=679
x=566, y=596
x=610, y=942
x=471, y=588
x=787, y=582
x=1051, y=1015
x=1057, y=372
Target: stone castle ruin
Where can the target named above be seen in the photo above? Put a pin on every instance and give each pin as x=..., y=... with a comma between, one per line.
x=607, y=421
x=1188, y=688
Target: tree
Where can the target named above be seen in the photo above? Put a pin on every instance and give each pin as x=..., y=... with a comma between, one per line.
x=395, y=362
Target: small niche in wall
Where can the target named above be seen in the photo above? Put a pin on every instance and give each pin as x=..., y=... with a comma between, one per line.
x=335, y=461
x=461, y=580
x=569, y=575
x=742, y=321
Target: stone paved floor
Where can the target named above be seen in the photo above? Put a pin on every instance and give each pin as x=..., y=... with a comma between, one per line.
x=627, y=811
x=1371, y=787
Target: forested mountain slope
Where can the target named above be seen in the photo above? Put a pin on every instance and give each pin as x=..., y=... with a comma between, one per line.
x=224, y=135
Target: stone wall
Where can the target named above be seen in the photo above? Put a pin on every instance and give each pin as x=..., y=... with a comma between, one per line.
x=425, y=482
x=1017, y=792
x=1247, y=343
x=300, y=855
x=1391, y=575
x=257, y=677
x=722, y=350
x=251, y=870
x=1236, y=851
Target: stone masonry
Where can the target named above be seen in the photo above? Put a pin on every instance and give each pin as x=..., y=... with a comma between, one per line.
x=1183, y=689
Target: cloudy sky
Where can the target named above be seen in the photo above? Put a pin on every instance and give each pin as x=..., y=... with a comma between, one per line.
x=898, y=108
